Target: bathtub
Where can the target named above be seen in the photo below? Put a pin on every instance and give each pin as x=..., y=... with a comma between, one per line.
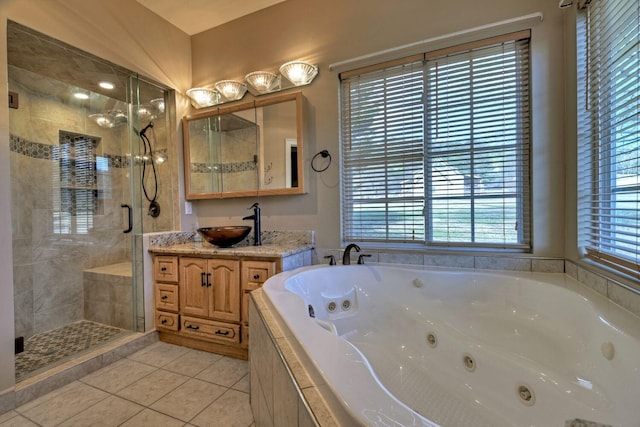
x=420, y=347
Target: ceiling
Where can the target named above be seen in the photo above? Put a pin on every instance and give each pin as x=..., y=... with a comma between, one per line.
x=195, y=16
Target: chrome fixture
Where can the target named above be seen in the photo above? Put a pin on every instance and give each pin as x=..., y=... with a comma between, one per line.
x=257, y=240
x=346, y=256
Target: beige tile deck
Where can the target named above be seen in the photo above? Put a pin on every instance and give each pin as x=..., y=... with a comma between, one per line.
x=162, y=385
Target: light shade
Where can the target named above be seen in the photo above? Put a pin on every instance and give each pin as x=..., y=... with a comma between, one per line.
x=231, y=89
x=263, y=81
x=158, y=104
x=102, y=120
x=298, y=72
x=203, y=97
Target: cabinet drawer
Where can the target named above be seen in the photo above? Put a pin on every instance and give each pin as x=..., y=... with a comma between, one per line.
x=165, y=268
x=255, y=273
x=166, y=297
x=210, y=330
x=168, y=321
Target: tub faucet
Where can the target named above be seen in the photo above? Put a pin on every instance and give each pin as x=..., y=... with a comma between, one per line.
x=257, y=240
x=346, y=257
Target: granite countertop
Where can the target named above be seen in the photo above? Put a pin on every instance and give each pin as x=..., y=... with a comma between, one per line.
x=276, y=250
x=275, y=244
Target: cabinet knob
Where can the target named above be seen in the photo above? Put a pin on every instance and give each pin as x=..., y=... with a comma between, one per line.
x=164, y=321
x=256, y=276
x=163, y=269
x=164, y=297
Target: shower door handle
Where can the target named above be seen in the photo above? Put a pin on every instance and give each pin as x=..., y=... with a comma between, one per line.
x=130, y=215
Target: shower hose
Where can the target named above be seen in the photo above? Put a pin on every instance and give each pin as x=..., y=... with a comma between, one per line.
x=147, y=157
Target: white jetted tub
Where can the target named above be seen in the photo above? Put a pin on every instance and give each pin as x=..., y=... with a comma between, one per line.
x=420, y=347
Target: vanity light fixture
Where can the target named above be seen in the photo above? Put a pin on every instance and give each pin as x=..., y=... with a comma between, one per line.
x=81, y=95
x=263, y=81
x=158, y=104
x=102, y=120
x=106, y=85
x=231, y=90
x=299, y=72
x=109, y=119
x=203, y=97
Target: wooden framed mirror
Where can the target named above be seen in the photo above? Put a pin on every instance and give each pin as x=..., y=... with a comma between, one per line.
x=245, y=150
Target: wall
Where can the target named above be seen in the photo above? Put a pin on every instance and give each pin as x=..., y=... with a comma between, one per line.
x=336, y=30
x=120, y=31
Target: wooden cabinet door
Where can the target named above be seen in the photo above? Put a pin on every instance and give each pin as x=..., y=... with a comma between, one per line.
x=225, y=289
x=194, y=292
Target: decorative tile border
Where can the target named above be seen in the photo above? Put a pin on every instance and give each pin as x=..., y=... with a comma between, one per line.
x=223, y=167
x=38, y=150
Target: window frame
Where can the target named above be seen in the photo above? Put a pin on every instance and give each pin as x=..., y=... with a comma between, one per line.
x=524, y=198
x=603, y=236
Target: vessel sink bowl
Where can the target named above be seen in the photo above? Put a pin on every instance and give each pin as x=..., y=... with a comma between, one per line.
x=224, y=236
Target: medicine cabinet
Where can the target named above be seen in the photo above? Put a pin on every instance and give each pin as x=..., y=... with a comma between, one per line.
x=244, y=150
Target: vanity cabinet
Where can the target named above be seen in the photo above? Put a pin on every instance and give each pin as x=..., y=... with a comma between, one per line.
x=165, y=273
x=202, y=302
x=210, y=288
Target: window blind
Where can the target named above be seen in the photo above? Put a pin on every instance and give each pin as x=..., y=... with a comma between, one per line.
x=609, y=133
x=477, y=146
x=382, y=155
x=437, y=151
x=75, y=184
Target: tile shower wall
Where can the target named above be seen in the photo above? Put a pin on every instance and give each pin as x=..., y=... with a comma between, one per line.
x=48, y=267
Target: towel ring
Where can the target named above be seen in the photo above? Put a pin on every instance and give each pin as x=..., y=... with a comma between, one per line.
x=324, y=154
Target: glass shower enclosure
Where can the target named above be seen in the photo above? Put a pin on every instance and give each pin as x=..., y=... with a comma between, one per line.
x=89, y=173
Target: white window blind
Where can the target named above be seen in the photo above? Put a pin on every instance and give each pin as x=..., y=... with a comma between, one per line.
x=609, y=133
x=383, y=155
x=437, y=151
x=477, y=149
x=75, y=184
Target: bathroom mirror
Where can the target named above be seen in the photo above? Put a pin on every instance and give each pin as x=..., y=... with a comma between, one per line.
x=245, y=150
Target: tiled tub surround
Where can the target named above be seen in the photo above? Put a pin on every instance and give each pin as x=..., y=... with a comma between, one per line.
x=284, y=383
x=265, y=410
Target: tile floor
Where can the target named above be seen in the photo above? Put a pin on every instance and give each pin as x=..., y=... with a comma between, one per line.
x=160, y=385
x=43, y=351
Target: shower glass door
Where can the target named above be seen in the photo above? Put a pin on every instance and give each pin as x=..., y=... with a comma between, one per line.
x=76, y=159
x=150, y=183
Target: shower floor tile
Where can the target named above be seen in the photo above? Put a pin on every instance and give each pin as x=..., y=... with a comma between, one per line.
x=45, y=349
